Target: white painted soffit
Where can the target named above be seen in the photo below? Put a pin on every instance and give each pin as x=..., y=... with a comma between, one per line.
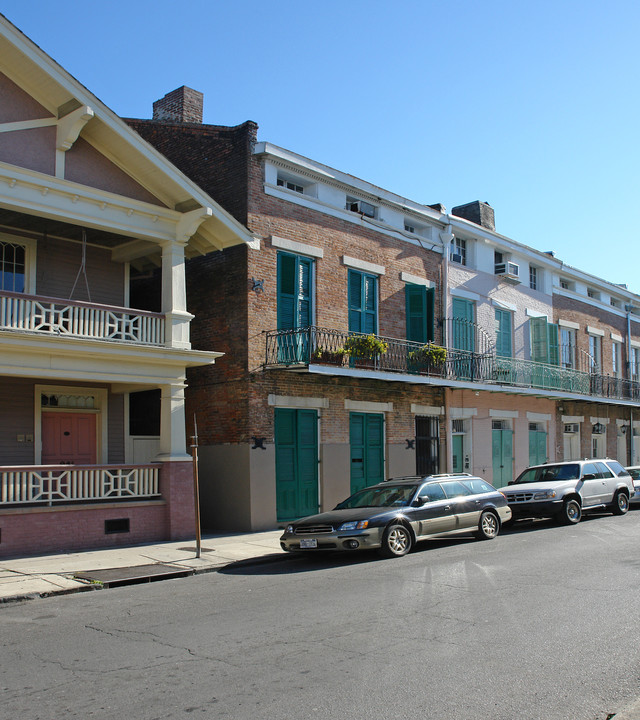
x=53, y=87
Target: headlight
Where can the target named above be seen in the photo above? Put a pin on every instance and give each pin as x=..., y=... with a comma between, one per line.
x=544, y=495
x=289, y=530
x=354, y=525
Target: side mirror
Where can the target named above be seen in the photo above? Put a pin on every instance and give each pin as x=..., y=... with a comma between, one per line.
x=589, y=476
x=422, y=500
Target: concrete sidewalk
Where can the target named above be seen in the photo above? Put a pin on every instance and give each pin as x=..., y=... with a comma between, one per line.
x=42, y=576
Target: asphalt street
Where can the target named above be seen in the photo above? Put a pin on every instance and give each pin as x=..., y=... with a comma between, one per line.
x=539, y=623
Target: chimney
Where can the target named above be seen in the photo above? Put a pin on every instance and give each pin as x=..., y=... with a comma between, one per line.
x=480, y=213
x=183, y=105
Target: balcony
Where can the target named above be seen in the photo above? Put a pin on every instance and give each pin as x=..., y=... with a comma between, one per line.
x=55, y=317
x=46, y=485
x=320, y=346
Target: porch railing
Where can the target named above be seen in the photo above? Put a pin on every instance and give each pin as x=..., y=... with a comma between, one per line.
x=313, y=345
x=49, y=484
x=52, y=316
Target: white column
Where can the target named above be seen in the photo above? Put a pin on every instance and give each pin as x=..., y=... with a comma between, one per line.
x=173, y=442
x=174, y=295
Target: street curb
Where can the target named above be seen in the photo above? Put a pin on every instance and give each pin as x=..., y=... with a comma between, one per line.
x=630, y=712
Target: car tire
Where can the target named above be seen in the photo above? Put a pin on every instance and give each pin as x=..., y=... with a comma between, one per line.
x=620, y=503
x=489, y=526
x=396, y=541
x=571, y=512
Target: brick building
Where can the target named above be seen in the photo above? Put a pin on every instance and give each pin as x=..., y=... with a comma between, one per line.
x=307, y=406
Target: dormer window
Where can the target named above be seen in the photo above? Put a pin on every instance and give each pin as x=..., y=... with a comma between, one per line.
x=360, y=206
x=290, y=185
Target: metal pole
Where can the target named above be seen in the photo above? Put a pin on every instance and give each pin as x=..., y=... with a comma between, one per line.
x=196, y=485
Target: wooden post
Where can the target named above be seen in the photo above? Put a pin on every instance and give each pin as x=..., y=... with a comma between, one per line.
x=196, y=485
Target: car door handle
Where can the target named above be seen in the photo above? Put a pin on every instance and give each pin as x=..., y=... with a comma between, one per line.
x=447, y=507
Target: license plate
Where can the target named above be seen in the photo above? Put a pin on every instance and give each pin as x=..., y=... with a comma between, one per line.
x=308, y=543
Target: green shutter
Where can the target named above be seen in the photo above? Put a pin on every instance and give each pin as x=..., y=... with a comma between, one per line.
x=363, y=302
x=294, y=291
x=463, y=329
x=296, y=442
x=366, y=437
x=431, y=294
x=503, y=333
x=554, y=347
x=539, y=339
x=416, y=312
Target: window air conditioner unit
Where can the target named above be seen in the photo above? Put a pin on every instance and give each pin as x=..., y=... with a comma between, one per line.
x=456, y=258
x=572, y=428
x=508, y=269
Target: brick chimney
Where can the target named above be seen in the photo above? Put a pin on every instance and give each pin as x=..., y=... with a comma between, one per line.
x=183, y=105
x=480, y=213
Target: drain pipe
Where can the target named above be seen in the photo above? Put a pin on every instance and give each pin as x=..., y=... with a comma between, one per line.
x=446, y=236
x=629, y=309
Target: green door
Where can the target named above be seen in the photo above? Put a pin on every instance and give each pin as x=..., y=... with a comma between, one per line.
x=537, y=447
x=503, y=333
x=502, y=447
x=457, y=449
x=296, y=440
x=366, y=437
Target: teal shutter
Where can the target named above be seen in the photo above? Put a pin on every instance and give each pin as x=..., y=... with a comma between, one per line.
x=294, y=291
x=363, y=302
x=503, y=333
x=296, y=440
x=537, y=447
x=431, y=294
x=554, y=348
x=463, y=329
x=539, y=339
x=366, y=437
x=416, y=312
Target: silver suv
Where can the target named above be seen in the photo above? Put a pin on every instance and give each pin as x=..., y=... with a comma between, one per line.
x=565, y=489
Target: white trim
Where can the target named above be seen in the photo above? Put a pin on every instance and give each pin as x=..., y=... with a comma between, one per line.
x=634, y=343
x=535, y=313
x=363, y=265
x=296, y=247
x=602, y=421
x=616, y=337
x=415, y=280
x=504, y=413
x=595, y=331
x=464, y=294
x=366, y=406
x=429, y=410
x=572, y=418
x=292, y=401
x=30, y=254
x=504, y=305
x=462, y=413
x=101, y=410
x=569, y=324
x=538, y=417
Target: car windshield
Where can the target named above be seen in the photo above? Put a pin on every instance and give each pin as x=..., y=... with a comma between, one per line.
x=549, y=473
x=391, y=496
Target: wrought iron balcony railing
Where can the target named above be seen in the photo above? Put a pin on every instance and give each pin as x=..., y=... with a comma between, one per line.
x=313, y=345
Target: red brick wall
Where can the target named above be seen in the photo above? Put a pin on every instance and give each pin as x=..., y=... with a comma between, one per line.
x=38, y=531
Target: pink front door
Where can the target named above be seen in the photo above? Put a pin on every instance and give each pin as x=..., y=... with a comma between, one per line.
x=68, y=438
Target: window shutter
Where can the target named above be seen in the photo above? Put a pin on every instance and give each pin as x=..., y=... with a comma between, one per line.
x=554, y=349
x=416, y=304
x=431, y=294
x=539, y=339
x=286, y=290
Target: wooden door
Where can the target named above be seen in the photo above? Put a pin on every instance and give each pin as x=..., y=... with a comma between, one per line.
x=69, y=438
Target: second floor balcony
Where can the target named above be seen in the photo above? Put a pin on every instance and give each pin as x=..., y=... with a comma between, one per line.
x=321, y=346
x=56, y=317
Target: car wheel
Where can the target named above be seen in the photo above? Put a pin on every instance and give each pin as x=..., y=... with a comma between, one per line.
x=620, y=503
x=571, y=512
x=396, y=541
x=489, y=526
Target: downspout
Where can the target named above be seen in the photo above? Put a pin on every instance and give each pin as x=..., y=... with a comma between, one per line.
x=628, y=309
x=446, y=237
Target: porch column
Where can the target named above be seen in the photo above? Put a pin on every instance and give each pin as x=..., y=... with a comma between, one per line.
x=173, y=443
x=174, y=295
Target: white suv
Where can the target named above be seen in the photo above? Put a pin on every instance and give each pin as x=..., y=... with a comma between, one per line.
x=565, y=489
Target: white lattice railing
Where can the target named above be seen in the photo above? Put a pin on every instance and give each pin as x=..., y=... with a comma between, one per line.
x=31, y=313
x=50, y=484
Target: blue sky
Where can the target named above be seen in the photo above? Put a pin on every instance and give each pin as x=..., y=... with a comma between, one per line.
x=532, y=107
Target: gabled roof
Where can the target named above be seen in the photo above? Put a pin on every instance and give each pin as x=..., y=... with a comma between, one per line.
x=187, y=205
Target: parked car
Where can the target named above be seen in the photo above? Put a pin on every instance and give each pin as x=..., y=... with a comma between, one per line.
x=634, y=471
x=393, y=515
x=565, y=489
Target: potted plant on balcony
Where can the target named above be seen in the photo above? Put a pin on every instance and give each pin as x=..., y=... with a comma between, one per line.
x=329, y=357
x=427, y=358
x=365, y=349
